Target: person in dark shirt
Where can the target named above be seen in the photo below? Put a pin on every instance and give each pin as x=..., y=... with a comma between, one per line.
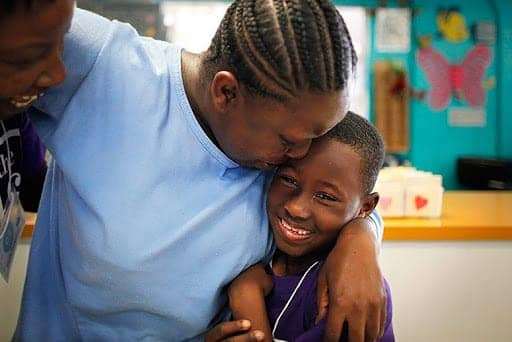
x=29, y=64
x=22, y=161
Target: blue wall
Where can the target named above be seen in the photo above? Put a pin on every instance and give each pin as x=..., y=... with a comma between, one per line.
x=435, y=146
x=504, y=64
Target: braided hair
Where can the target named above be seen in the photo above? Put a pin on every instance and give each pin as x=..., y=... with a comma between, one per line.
x=278, y=48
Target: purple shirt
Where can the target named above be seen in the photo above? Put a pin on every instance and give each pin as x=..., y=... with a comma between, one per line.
x=21, y=161
x=298, y=321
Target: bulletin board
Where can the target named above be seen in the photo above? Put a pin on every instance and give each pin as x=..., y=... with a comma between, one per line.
x=391, y=107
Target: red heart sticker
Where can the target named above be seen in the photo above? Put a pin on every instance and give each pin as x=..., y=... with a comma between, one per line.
x=385, y=202
x=420, y=202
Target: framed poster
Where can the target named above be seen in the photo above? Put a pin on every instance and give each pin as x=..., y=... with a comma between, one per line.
x=393, y=30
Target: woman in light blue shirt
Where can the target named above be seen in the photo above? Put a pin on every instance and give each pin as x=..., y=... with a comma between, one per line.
x=155, y=198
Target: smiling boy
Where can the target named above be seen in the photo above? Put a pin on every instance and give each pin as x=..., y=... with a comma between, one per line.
x=309, y=202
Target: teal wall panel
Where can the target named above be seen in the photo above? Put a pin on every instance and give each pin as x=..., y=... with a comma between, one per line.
x=435, y=145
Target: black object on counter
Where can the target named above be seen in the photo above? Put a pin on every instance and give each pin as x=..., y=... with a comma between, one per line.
x=485, y=173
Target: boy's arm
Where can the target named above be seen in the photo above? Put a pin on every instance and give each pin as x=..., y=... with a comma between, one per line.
x=247, y=298
x=350, y=284
x=233, y=331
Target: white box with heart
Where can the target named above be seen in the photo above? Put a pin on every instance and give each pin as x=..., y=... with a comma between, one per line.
x=392, y=198
x=407, y=192
x=424, y=200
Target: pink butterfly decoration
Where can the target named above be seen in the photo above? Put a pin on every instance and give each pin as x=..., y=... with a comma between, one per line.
x=462, y=81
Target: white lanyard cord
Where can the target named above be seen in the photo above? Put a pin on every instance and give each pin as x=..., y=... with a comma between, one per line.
x=291, y=297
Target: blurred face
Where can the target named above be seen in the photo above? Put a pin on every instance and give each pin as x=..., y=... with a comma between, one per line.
x=311, y=199
x=263, y=133
x=30, y=53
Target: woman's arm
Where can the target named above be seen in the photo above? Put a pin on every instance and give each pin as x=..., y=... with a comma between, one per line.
x=350, y=284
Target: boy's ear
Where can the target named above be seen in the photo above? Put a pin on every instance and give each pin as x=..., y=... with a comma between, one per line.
x=369, y=204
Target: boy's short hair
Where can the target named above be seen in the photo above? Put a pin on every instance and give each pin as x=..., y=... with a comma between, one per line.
x=366, y=141
x=8, y=6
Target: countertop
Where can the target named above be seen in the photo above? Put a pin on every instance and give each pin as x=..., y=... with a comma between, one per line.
x=467, y=216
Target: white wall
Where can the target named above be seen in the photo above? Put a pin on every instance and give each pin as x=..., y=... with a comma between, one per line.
x=450, y=291
x=443, y=292
x=10, y=294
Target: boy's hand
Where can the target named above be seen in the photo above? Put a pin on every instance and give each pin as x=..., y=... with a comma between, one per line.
x=350, y=284
x=234, y=331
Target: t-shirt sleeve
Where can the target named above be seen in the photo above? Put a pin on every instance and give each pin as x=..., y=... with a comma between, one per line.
x=389, y=335
x=113, y=75
x=378, y=225
x=88, y=35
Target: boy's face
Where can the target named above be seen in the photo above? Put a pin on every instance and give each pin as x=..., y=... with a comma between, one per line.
x=31, y=44
x=311, y=199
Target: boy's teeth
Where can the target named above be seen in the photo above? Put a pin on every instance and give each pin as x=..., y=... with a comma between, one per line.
x=295, y=230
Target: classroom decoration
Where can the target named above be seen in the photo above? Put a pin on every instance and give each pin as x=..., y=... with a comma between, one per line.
x=490, y=83
x=424, y=41
x=464, y=81
x=466, y=117
x=392, y=105
x=407, y=192
x=484, y=33
x=393, y=30
x=452, y=25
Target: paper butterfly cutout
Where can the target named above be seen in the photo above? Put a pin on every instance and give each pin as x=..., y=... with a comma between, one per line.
x=463, y=81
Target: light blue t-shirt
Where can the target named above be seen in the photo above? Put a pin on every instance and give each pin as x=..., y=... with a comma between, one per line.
x=143, y=220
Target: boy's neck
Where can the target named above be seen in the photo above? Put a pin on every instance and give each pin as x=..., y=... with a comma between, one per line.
x=285, y=265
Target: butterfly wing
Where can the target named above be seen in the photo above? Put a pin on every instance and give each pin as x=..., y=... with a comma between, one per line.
x=437, y=69
x=474, y=66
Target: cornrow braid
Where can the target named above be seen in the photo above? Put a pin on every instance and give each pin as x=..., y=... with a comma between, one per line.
x=293, y=62
x=342, y=42
x=279, y=48
x=302, y=38
x=325, y=41
x=260, y=83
